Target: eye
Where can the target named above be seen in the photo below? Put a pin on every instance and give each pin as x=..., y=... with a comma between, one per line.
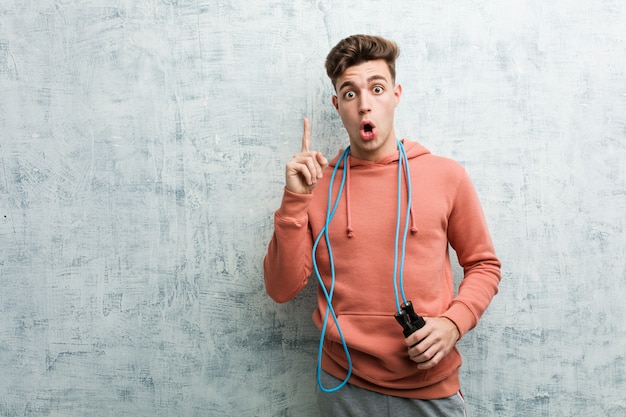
x=349, y=95
x=378, y=89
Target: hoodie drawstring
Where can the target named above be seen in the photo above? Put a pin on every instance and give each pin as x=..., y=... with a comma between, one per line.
x=411, y=212
x=349, y=228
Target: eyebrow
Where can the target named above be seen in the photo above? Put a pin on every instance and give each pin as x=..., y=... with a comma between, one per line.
x=369, y=80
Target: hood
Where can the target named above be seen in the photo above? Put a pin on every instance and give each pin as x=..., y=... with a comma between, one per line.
x=412, y=149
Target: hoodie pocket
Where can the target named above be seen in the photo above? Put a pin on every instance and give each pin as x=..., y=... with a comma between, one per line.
x=376, y=346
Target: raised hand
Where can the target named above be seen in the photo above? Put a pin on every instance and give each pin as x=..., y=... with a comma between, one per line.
x=305, y=168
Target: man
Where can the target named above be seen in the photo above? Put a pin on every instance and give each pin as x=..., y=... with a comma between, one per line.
x=374, y=228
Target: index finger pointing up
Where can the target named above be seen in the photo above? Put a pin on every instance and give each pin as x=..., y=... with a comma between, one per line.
x=306, y=136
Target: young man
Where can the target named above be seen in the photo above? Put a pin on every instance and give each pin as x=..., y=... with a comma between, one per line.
x=374, y=228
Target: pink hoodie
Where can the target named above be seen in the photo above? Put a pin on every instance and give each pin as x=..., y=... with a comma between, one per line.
x=444, y=210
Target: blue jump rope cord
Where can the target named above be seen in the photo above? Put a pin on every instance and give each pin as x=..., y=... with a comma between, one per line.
x=329, y=309
x=330, y=213
x=402, y=160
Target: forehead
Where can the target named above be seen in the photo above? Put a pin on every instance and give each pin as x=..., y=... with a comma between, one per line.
x=364, y=72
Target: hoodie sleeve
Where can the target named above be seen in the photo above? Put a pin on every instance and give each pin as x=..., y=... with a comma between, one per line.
x=287, y=264
x=469, y=237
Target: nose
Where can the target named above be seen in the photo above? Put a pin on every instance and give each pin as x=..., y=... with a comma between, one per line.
x=365, y=104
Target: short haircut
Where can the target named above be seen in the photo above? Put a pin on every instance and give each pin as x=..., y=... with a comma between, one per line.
x=356, y=49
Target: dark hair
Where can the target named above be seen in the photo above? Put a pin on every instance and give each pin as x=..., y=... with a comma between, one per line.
x=357, y=49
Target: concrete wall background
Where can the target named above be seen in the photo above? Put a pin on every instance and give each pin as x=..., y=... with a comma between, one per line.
x=142, y=146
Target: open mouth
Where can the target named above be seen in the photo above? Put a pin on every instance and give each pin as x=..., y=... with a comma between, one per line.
x=368, y=130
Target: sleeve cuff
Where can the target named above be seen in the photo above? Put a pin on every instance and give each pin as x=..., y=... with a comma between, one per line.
x=294, y=206
x=462, y=317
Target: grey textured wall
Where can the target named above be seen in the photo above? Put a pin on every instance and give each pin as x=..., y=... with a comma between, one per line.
x=142, y=146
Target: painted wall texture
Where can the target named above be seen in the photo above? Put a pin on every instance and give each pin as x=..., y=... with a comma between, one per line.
x=142, y=149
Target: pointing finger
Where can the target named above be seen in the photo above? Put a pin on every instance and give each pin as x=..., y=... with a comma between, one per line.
x=306, y=136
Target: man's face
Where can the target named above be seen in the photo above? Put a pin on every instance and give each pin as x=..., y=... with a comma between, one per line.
x=366, y=100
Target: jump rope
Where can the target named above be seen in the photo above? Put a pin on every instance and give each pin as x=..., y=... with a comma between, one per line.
x=405, y=315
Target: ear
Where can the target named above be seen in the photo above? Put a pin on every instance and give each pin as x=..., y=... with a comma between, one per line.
x=335, y=102
x=397, y=92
